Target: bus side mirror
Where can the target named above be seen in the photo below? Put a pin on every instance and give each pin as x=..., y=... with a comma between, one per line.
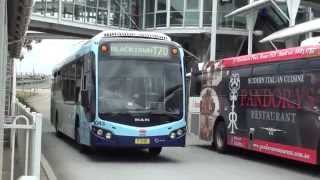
x=84, y=98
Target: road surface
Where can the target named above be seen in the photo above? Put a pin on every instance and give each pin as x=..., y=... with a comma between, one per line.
x=196, y=161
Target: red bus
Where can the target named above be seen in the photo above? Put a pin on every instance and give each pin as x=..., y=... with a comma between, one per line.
x=266, y=102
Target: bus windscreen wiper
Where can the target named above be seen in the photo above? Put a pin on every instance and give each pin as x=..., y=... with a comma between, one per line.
x=174, y=115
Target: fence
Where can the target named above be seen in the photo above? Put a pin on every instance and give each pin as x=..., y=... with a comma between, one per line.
x=26, y=128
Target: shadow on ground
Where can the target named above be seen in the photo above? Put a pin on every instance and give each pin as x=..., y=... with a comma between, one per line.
x=128, y=155
x=291, y=165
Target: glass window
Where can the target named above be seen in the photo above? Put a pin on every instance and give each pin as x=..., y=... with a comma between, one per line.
x=39, y=7
x=243, y=72
x=114, y=19
x=115, y=6
x=192, y=19
x=207, y=20
x=83, y=2
x=193, y=4
x=162, y=5
x=92, y=3
x=315, y=64
x=102, y=16
x=79, y=13
x=137, y=86
x=52, y=8
x=295, y=66
x=103, y=4
x=91, y=14
x=176, y=15
x=176, y=18
x=161, y=19
x=207, y=13
x=264, y=69
x=149, y=20
x=239, y=4
x=207, y=5
x=67, y=10
x=177, y=5
x=150, y=6
x=68, y=82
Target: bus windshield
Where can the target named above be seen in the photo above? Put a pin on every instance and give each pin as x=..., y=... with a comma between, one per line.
x=135, y=86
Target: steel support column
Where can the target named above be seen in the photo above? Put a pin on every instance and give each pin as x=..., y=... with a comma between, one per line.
x=3, y=68
x=214, y=30
x=251, y=21
x=293, y=7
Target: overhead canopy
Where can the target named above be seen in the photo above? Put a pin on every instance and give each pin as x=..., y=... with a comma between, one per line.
x=19, y=13
x=302, y=28
x=250, y=8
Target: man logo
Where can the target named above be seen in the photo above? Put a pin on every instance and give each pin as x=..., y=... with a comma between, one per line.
x=141, y=119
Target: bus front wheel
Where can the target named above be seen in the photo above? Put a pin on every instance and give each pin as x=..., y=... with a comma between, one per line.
x=220, y=137
x=155, y=151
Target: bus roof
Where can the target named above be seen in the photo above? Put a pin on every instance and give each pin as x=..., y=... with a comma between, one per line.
x=272, y=56
x=119, y=34
x=132, y=34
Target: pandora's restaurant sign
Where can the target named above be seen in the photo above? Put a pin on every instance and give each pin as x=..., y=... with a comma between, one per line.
x=277, y=97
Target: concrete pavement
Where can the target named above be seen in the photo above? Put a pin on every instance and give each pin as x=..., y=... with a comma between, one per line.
x=196, y=161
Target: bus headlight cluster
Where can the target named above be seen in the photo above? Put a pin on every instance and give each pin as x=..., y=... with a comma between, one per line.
x=108, y=135
x=102, y=133
x=177, y=133
x=99, y=132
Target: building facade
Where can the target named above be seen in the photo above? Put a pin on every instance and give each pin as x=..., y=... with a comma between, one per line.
x=188, y=22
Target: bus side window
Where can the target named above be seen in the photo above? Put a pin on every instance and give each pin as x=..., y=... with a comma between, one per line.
x=264, y=69
x=243, y=71
x=69, y=82
x=291, y=67
x=314, y=65
x=195, y=88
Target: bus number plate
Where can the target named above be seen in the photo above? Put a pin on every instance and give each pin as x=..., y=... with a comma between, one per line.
x=142, y=141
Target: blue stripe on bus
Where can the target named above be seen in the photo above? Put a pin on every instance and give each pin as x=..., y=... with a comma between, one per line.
x=125, y=130
x=129, y=141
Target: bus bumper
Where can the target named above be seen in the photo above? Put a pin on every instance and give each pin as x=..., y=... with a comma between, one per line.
x=137, y=142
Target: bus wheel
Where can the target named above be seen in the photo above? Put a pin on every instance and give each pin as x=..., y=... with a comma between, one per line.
x=155, y=151
x=58, y=133
x=220, y=137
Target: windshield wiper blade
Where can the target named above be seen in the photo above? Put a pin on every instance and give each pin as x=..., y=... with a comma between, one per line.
x=139, y=111
x=165, y=113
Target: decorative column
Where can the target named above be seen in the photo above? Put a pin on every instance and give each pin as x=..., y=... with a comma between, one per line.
x=3, y=68
x=214, y=30
x=251, y=21
x=293, y=7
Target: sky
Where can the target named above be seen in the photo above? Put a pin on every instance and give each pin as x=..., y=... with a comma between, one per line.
x=45, y=55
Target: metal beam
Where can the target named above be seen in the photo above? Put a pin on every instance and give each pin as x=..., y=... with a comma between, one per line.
x=3, y=67
x=302, y=28
x=250, y=8
x=40, y=36
x=255, y=7
x=213, y=42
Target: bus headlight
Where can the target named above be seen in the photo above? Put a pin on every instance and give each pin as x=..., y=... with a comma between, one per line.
x=179, y=132
x=108, y=135
x=99, y=132
x=173, y=135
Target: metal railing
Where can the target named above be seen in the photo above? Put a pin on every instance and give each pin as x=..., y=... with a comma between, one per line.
x=25, y=140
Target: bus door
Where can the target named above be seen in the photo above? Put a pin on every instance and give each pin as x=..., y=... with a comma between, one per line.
x=66, y=112
x=86, y=107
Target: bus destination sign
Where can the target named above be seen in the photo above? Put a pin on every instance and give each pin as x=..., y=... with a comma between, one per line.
x=139, y=50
